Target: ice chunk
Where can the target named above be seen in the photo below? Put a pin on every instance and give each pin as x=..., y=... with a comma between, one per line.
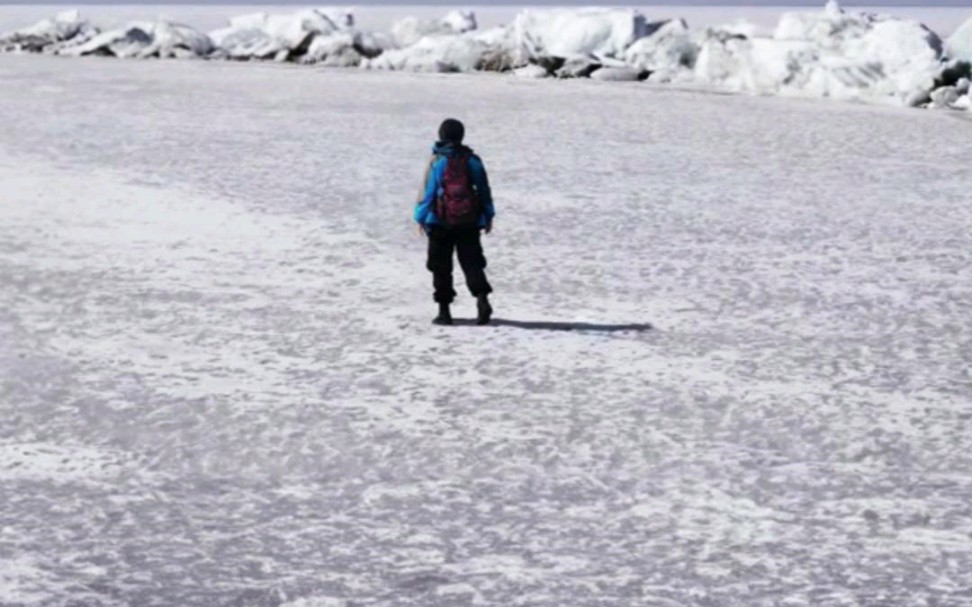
x=721, y=59
x=460, y=21
x=143, y=40
x=833, y=9
x=343, y=49
x=496, y=36
x=909, y=53
x=439, y=53
x=945, y=96
x=578, y=67
x=959, y=46
x=371, y=44
x=62, y=26
x=450, y=44
x=827, y=28
x=571, y=33
x=337, y=50
x=246, y=43
x=281, y=36
x=826, y=54
x=408, y=31
x=500, y=54
x=497, y=59
x=531, y=71
x=65, y=27
x=619, y=74
x=174, y=40
x=670, y=47
x=950, y=84
x=741, y=27
x=292, y=28
x=124, y=42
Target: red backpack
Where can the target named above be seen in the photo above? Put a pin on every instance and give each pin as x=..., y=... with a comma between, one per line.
x=458, y=205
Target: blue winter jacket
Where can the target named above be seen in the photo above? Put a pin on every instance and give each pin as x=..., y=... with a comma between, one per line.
x=425, y=209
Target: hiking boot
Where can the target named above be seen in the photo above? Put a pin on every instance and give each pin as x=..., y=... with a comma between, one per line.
x=484, y=309
x=444, y=317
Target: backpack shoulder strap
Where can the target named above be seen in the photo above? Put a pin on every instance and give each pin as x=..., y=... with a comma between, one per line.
x=461, y=161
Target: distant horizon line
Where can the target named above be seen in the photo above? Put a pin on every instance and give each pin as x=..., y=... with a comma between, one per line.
x=503, y=3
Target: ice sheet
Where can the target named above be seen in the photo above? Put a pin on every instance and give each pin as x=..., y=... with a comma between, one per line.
x=219, y=384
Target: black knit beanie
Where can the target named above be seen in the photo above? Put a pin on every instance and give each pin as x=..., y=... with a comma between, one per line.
x=451, y=131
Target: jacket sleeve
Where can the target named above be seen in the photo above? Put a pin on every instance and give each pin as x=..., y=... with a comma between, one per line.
x=425, y=178
x=481, y=181
x=425, y=208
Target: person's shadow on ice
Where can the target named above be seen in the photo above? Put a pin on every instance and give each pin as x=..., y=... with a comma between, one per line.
x=543, y=325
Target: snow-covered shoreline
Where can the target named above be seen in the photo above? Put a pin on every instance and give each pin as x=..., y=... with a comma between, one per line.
x=828, y=53
x=944, y=20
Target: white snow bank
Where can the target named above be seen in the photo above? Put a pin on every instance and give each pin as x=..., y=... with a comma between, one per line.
x=438, y=53
x=578, y=67
x=449, y=44
x=741, y=27
x=827, y=28
x=293, y=28
x=279, y=36
x=247, y=43
x=569, y=33
x=668, y=48
x=408, y=31
x=959, y=46
x=618, y=74
x=343, y=49
x=825, y=54
x=65, y=27
x=143, y=40
x=500, y=37
x=460, y=22
x=948, y=96
x=531, y=71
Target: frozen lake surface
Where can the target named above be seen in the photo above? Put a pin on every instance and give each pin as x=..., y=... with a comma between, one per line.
x=219, y=384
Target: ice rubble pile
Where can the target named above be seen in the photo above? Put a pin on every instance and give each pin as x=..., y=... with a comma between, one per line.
x=831, y=54
x=49, y=35
x=144, y=40
x=325, y=36
x=69, y=34
x=828, y=53
x=450, y=44
x=953, y=83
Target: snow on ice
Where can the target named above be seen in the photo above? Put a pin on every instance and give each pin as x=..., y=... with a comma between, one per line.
x=219, y=385
x=826, y=53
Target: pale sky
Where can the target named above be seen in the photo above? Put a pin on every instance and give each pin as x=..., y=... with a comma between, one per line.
x=916, y=3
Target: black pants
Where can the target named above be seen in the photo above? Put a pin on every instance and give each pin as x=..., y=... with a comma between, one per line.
x=470, y=252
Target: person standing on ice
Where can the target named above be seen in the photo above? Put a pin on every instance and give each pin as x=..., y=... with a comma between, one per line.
x=454, y=206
